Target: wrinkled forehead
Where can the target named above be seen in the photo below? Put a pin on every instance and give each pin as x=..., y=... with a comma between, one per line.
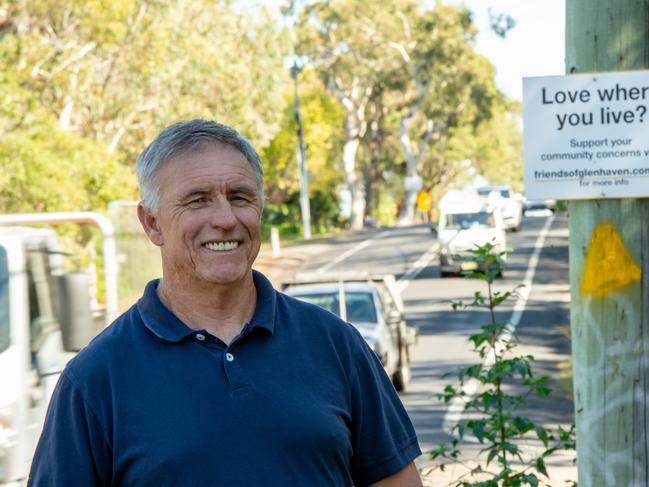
x=182, y=156
x=205, y=165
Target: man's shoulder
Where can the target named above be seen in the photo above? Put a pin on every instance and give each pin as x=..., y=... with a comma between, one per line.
x=315, y=319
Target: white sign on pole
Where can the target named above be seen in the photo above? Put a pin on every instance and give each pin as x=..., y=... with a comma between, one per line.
x=414, y=183
x=587, y=135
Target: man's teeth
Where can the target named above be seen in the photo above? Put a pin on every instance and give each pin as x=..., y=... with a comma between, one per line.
x=221, y=245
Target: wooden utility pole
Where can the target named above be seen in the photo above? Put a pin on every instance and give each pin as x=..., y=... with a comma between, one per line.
x=609, y=274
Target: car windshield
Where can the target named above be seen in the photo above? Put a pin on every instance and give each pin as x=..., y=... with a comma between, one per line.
x=487, y=191
x=465, y=221
x=360, y=305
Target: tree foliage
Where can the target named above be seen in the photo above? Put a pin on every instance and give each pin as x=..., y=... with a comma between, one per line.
x=47, y=169
x=447, y=97
x=347, y=42
x=501, y=161
x=409, y=77
x=105, y=76
x=322, y=117
x=86, y=83
x=493, y=393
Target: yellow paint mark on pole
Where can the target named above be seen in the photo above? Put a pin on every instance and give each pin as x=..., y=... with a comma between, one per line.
x=609, y=267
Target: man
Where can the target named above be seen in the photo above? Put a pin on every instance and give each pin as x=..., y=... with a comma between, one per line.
x=213, y=378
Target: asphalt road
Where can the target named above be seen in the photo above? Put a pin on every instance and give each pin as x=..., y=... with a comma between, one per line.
x=443, y=347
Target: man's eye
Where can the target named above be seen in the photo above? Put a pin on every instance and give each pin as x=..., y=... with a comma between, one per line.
x=198, y=201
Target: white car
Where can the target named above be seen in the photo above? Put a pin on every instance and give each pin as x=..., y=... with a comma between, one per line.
x=547, y=205
x=511, y=204
x=467, y=221
x=372, y=307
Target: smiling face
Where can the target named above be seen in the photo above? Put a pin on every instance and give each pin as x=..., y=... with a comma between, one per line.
x=208, y=222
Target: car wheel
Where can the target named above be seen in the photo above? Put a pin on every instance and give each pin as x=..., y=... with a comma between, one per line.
x=519, y=227
x=401, y=377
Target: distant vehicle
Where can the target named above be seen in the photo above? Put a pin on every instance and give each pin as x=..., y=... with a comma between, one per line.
x=537, y=205
x=374, y=307
x=510, y=203
x=467, y=221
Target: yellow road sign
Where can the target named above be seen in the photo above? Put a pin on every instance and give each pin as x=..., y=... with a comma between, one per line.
x=424, y=201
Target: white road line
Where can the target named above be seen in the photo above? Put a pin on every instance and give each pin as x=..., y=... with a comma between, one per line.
x=417, y=267
x=352, y=251
x=454, y=412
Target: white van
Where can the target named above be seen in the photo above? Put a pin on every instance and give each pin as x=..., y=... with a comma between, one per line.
x=46, y=317
x=467, y=221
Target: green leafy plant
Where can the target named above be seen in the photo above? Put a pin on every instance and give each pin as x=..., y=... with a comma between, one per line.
x=504, y=381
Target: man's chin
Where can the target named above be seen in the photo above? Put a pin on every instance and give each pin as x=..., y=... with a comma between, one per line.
x=223, y=277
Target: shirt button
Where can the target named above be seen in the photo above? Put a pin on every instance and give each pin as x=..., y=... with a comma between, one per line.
x=229, y=357
x=200, y=337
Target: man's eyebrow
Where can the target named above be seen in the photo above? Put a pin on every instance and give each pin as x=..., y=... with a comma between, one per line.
x=195, y=192
x=243, y=189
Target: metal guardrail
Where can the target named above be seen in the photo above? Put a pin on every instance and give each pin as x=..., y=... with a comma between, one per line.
x=108, y=244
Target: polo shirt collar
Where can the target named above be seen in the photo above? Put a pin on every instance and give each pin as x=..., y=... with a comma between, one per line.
x=264, y=316
x=158, y=318
x=167, y=326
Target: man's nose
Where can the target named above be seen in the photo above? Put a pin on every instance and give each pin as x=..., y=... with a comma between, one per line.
x=222, y=215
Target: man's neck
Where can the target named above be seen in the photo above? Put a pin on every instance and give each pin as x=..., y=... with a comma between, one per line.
x=222, y=310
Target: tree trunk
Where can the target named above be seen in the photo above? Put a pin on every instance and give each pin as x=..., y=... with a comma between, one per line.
x=353, y=183
x=407, y=213
x=610, y=332
x=355, y=100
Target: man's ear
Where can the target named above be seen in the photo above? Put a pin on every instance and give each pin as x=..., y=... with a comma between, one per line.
x=150, y=224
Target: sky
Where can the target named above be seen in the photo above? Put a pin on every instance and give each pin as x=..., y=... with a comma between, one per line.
x=534, y=47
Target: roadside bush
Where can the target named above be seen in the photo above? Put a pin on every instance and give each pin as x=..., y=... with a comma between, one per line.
x=504, y=380
x=325, y=216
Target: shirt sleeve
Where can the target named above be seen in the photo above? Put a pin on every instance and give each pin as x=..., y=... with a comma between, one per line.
x=383, y=437
x=72, y=449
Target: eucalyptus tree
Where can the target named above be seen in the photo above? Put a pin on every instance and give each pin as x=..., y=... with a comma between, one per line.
x=346, y=40
x=380, y=156
x=446, y=90
x=404, y=71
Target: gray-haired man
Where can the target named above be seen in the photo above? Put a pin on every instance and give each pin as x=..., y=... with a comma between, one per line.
x=213, y=377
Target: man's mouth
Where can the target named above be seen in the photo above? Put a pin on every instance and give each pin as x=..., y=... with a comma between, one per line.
x=221, y=246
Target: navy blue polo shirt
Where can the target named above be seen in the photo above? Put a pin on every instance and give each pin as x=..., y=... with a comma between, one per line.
x=297, y=399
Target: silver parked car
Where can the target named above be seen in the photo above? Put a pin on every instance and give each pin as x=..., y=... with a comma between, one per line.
x=374, y=307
